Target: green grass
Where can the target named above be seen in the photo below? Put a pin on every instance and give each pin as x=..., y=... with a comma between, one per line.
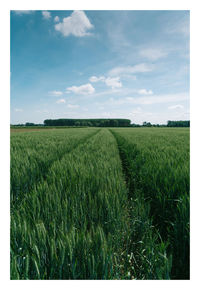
x=100, y=204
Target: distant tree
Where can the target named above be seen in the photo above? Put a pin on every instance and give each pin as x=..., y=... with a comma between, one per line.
x=88, y=122
x=113, y=123
x=84, y=123
x=102, y=123
x=146, y=124
x=29, y=124
x=178, y=124
x=135, y=125
x=77, y=123
x=106, y=123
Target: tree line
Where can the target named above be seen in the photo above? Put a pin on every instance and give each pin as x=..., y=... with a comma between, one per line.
x=178, y=124
x=102, y=123
x=89, y=122
x=169, y=124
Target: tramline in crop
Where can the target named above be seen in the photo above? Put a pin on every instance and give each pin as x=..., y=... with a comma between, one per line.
x=95, y=203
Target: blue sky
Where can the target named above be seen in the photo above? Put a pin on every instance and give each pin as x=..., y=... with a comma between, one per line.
x=99, y=64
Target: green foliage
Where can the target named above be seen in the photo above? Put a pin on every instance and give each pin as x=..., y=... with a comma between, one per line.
x=88, y=122
x=178, y=124
x=29, y=124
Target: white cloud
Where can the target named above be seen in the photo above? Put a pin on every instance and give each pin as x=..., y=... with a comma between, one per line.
x=86, y=89
x=77, y=24
x=70, y=106
x=55, y=93
x=113, y=82
x=153, y=53
x=175, y=107
x=56, y=19
x=138, y=68
x=46, y=14
x=18, y=110
x=95, y=79
x=61, y=101
x=110, y=82
x=145, y=92
x=21, y=12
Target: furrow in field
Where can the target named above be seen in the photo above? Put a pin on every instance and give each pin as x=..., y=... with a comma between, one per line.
x=156, y=167
x=73, y=224
x=41, y=166
x=147, y=251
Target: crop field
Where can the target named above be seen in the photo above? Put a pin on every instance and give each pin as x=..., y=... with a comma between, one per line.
x=100, y=203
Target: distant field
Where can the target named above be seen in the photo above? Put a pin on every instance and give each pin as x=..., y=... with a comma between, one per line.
x=100, y=203
x=37, y=128
x=19, y=130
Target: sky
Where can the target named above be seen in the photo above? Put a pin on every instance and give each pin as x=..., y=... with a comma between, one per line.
x=99, y=64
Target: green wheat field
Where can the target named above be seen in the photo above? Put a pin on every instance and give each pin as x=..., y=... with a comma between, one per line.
x=100, y=203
